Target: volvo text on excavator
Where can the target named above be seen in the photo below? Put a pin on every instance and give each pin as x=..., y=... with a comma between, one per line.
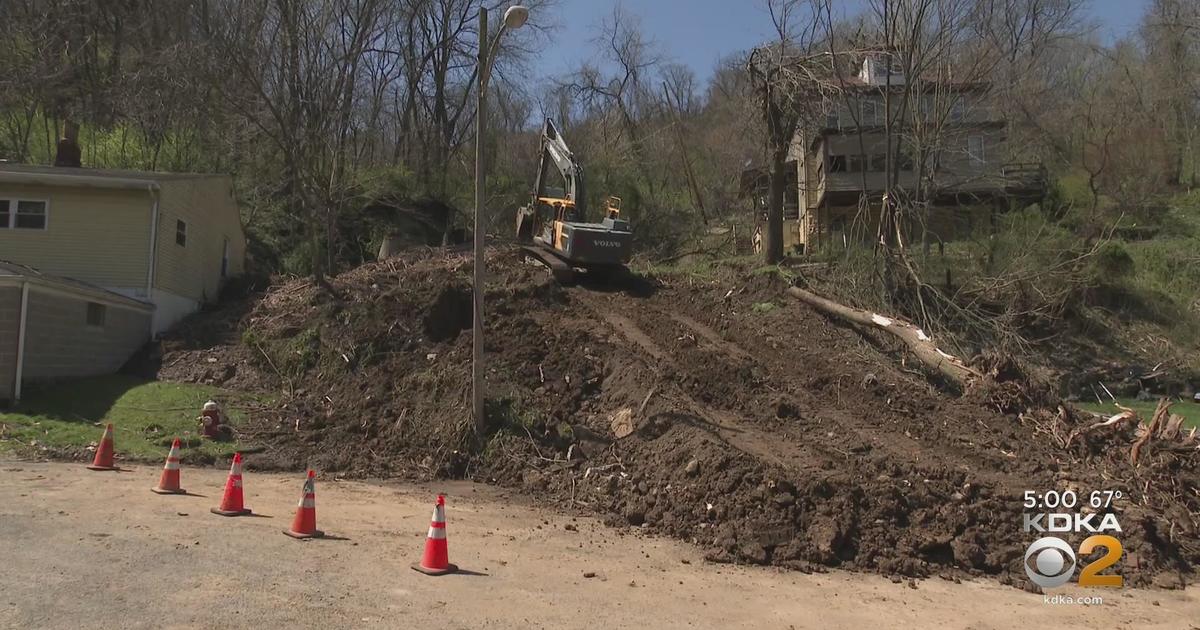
x=554, y=227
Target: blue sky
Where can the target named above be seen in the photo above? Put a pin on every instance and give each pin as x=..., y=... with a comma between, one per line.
x=699, y=32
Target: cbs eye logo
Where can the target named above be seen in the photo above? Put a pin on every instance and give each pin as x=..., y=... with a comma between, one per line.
x=1050, y=561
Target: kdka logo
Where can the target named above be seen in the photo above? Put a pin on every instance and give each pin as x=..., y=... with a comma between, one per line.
x=1050, y=561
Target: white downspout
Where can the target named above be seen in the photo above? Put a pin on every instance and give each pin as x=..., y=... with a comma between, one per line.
x=21, y=340
x=153, y=189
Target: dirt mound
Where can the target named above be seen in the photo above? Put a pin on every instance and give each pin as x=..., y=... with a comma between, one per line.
x=208, y=348
x=710, y=408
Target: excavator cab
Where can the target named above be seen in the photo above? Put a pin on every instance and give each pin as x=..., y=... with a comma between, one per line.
x=554, y=225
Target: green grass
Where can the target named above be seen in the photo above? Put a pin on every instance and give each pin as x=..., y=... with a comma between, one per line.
x=697, y=267
x=146, y=417
x=1145, y=408
x=783, y=273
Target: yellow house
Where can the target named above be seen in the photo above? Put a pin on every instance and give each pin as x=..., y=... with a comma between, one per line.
x=169, y=239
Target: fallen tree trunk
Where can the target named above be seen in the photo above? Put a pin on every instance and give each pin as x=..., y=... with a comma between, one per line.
x=917, y=341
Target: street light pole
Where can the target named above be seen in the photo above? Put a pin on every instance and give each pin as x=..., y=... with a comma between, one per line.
x=514, y=17
x=477, y=367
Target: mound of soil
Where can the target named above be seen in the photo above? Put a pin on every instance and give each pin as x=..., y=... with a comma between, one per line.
x=712, y=409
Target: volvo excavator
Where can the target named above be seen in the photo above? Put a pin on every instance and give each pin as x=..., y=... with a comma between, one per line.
x=554, y=229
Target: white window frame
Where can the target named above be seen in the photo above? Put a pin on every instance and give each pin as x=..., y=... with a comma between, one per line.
x=977, y=157
x=14, y=202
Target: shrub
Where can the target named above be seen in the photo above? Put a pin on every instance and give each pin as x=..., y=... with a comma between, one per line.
x=1111, y=263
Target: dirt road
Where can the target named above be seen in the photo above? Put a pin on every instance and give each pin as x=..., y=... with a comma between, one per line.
x=83, y=549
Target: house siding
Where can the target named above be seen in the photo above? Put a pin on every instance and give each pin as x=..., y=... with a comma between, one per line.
x=206, y=204
x=10, y=323
x=95, y=235
x=974, y=108
x=61, y=344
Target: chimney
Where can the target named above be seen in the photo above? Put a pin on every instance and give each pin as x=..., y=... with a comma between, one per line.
x=67, y=152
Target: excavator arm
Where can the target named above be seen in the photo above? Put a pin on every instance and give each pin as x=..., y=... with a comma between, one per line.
x=556, y=152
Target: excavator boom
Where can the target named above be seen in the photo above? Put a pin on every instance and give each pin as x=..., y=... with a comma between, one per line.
x=555, y=151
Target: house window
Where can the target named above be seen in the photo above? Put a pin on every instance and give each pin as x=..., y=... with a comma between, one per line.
x=905, y=161
x=878, y=162
x=975, y=149
x=854, y=163
x=96, y=314
x=870, y=113
x=957, y=108
x=180, y=233
x=837, y=164
x=30, y=215
x=831, y=120
x=925, y=106
x=22, y=214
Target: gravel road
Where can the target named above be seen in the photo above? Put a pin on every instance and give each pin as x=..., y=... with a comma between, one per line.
x=83, y=549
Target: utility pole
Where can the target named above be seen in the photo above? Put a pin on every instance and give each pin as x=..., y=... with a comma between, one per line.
x=514, y=17
x=477, y=367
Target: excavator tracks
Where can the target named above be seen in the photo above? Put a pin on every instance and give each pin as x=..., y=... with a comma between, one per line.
x=563, y=273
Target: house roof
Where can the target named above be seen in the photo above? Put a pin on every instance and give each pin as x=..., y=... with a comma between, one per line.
x=12, y=271
x=90, y=177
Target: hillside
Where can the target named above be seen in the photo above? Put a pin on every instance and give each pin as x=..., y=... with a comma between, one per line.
x=756, y=427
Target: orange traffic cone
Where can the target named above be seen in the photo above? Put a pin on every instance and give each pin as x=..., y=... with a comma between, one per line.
x=104, y=454
x=231, y=501
x=436, y=560
x=168, y=483
x=305, y=523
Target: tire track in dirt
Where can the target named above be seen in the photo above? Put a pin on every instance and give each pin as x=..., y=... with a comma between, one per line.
x=825, y=429
x=728, y=427
x=712, y=337
x=633, y=334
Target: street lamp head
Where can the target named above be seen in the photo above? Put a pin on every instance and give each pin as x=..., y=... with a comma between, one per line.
x=516, y=16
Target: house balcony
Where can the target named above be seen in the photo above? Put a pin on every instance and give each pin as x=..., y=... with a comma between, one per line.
x=964, y=184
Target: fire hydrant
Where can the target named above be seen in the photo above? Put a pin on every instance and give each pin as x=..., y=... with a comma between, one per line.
x=211, y=420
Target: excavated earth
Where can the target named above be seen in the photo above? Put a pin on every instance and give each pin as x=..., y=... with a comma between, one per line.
x=709, y=408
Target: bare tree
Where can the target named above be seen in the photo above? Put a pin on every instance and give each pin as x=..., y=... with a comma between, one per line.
x=786, y=85
x=626, y=94
x=680, y=100
x=1171, y=34
x=296, y=69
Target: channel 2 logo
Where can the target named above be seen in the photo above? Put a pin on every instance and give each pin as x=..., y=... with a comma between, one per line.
x=1050, y=562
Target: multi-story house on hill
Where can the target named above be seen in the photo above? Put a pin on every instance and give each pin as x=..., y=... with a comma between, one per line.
x=949, y=148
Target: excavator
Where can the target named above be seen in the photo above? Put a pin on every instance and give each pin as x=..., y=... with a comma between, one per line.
x=553, y=228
